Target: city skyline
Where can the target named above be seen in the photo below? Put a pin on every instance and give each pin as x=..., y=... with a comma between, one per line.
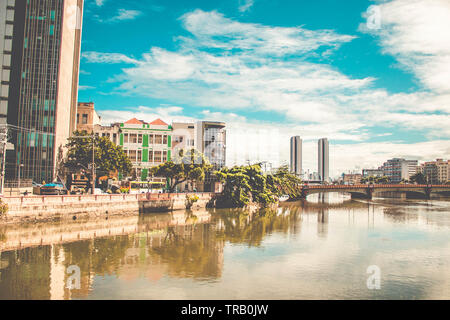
x=330, y=77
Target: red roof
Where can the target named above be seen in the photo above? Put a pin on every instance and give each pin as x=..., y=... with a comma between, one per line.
x=159, y=122
x=134, y=121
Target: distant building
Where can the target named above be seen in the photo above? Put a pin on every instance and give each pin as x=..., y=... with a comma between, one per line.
x=436, y=172
x=352, y=179
x=40, y=45
x=399, y=169
x=87, y=117
x=372, y=173
x=324, y=160
x=146, y=144
x=296, y=156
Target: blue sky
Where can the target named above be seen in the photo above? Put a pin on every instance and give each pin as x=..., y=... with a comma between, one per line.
x=272, y=69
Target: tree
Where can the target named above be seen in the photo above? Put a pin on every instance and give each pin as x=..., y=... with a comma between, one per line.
x=108, y=157
x=419, y=178
x=285, y=183
x=187, y=165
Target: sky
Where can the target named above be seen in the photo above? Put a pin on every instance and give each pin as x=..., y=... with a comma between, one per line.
x=371, y=76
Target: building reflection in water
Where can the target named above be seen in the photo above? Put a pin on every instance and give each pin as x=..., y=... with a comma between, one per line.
x=35, y=258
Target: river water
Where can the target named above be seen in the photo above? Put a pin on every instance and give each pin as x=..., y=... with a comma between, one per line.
x=319, y=249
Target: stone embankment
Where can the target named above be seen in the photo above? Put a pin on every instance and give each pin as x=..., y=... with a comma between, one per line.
x=43, y=208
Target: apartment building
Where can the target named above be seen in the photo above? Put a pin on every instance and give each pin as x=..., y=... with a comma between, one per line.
x=399, y=169
x=436, y=172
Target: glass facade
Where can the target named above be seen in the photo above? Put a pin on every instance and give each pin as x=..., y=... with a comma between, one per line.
x=35, y=79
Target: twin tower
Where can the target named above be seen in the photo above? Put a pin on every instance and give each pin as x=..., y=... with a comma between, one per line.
x=323, y=158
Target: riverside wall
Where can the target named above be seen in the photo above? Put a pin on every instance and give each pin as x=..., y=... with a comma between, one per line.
x=43, y=208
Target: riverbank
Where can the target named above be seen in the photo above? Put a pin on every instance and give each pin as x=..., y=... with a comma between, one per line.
x=47, y=208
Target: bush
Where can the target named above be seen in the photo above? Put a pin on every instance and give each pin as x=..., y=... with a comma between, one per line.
x=190, y=200
x=3, y=208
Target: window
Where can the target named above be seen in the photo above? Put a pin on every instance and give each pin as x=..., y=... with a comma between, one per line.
x=140, y=138
x=150, y=156
x=139, y=156
x=158, y=139
x=133, y=138
x=151, y=140
x=158, y=156
x=84, y=119
x=165, y=140
x=78, y=118
x=164, y=156
x=132, y=155
x=125, y=138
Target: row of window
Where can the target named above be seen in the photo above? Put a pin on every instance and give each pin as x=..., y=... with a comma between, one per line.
x=153, y=156
x=138, y=138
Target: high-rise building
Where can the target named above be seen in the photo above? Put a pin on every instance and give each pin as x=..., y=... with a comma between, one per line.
x=39, y=60
x=324, y=160
x=296, y=156
x=399, y=169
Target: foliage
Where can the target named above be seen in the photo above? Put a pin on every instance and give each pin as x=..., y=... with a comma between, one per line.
x=419, y=178
x=3, y=208
x=125, y=190
x=187, y=165
x=190, y=200
x=285, y=183
x=108, y=156
x=375, y=180
x=246, y=184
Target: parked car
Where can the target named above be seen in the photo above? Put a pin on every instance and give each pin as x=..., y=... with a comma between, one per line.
x=53, y=189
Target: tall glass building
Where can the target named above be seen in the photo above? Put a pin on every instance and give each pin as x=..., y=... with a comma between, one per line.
x=296, y=156
x=324, y=160
x=40, y=56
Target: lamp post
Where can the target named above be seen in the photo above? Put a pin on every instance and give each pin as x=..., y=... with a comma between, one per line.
x=18, y=180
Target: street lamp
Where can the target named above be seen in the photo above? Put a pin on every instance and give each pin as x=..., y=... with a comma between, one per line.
x=18, y=180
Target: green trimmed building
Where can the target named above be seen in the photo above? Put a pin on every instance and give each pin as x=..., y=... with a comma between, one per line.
x=146, y=144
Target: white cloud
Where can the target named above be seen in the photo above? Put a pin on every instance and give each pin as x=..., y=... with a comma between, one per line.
x=100, y=2
x=416, y=33
x=245, y=5
x=124, y=14
x=231, y=67
x=85, y=87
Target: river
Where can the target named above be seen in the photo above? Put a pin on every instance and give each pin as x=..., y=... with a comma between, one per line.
x=330, y=247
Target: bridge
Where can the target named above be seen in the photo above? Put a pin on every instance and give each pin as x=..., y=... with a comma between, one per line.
x=365, y=191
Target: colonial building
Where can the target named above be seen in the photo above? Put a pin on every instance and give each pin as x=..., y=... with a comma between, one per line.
x=146, y=144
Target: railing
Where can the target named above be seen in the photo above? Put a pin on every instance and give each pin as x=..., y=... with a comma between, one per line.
x=74, y=199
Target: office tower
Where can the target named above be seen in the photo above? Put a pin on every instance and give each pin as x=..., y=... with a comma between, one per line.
x=296, y=156
x=324, y=160
x=40, y=57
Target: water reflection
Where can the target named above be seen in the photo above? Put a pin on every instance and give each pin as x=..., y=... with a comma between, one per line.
x=318, y=248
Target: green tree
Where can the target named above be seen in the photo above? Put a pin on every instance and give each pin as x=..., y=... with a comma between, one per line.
x=419, y=178
x=108, y=156
x=246, y=184
x=285, y=183
x=186, y=165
